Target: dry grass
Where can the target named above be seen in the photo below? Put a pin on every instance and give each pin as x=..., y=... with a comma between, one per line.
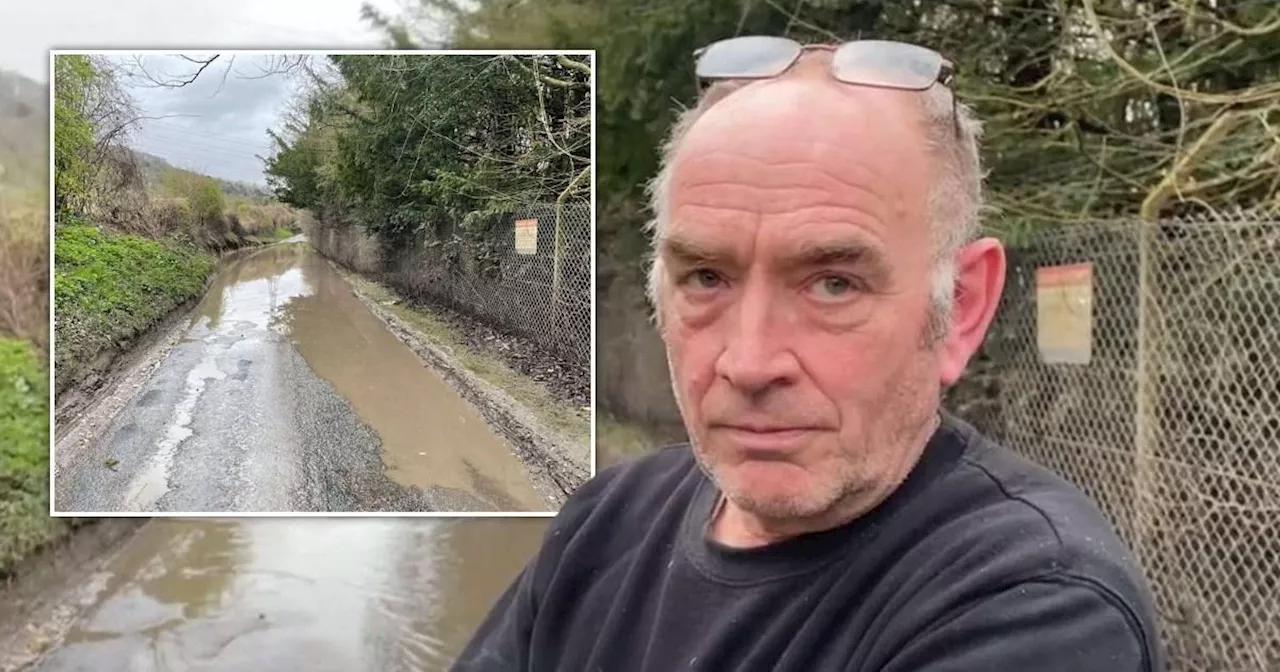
x=24, y=264
x=167, y=216
x=262, y=220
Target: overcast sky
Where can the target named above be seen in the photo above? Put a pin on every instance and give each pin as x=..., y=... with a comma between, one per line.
x=222, y=130
x=218, y=123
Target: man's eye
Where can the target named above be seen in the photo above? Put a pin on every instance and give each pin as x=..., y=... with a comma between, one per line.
x=833, y=287
x=703, y=279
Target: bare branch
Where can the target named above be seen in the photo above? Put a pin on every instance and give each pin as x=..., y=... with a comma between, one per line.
x=1160, y=193
x=180, y=82
x=573, y=65
x=1252, y=94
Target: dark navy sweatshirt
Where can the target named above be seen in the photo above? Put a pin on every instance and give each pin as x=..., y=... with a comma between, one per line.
x=980, y=560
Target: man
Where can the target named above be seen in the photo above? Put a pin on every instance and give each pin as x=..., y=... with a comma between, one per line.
x=818, y=282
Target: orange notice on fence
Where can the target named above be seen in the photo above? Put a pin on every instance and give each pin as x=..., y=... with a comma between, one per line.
x=1064, y=313
x=527, y=236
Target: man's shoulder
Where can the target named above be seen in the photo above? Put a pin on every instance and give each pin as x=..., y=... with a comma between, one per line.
x=999, y=530
x=1047, y=528
x=1078, y=533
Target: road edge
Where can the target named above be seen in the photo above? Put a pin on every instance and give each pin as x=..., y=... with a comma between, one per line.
x=36, y=610
x=135, y=363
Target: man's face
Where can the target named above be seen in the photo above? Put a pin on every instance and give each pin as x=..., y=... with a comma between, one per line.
x=795, y=293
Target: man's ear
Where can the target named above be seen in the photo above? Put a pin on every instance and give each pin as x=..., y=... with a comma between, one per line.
x=979, y=282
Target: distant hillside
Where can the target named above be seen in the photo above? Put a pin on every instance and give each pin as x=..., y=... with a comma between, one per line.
x=24, y=123
x=24, y=149
x=153, y=168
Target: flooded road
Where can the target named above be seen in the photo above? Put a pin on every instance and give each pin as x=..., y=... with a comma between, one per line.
x=313, y=594
x=285, y=393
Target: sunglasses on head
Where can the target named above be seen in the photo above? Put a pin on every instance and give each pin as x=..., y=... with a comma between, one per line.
x=877, y=63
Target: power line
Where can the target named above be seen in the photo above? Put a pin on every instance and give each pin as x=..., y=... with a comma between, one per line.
x=203, y=164
x=208, y=144
x=220, y=143
x=157, y=140
x=174, y=159
x=220, y=137
x=171, y=154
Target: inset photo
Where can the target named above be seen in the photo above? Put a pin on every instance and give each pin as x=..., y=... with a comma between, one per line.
x=315, y=282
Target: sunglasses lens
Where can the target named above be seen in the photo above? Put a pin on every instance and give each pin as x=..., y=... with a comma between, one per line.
x=747, y=57
x=890, y=64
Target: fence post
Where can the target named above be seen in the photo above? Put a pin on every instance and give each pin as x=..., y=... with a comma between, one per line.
x=558, y=248
x=1149, y=319
x=1146, y=401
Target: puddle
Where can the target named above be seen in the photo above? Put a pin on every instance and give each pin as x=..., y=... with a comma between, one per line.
x=252, y=286
x=153, y=482
x=430, y=435
x=315, y=594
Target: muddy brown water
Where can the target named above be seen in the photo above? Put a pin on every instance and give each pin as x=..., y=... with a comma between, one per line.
x=430, y=436
x=280, y=594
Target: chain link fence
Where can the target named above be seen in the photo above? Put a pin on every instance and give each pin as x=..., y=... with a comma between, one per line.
x=1143, y=363
x=526, y=272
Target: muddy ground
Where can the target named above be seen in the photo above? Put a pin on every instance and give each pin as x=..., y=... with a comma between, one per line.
x=567, y=380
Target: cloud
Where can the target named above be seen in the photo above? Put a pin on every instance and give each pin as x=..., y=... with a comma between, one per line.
x=218, y=123
x=32, y=28
x=226, y=127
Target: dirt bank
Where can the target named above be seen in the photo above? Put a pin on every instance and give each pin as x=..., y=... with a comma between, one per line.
x=40, y=600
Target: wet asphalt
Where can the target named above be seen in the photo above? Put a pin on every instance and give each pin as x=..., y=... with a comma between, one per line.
x=235, y=419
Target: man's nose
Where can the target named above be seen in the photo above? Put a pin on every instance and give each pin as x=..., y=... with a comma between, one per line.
x=757, y=352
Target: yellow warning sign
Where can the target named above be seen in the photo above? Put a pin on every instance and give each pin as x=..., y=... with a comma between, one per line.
x=1064, y=313
x=527, y=236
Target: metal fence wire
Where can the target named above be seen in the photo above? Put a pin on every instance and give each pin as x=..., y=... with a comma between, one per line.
x=527, y=272
x=1142, y=362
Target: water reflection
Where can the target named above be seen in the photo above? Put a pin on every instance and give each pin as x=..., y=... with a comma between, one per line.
x=253, y=286
x=315, y=594
x=151, y=597
x=430, y=436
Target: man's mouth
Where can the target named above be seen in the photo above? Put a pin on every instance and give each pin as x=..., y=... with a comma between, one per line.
x=765, y=438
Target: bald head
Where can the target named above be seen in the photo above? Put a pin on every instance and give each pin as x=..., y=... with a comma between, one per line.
x=905, y=141
x=806, y=144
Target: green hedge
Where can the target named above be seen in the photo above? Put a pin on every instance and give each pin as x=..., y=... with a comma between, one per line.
x=25, y=524
x=109, y=288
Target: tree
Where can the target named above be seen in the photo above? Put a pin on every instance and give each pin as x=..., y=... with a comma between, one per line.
x=1093, y=108
x=206, y=200
x=400, y=142
x=73, y=132
x=93, y=115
